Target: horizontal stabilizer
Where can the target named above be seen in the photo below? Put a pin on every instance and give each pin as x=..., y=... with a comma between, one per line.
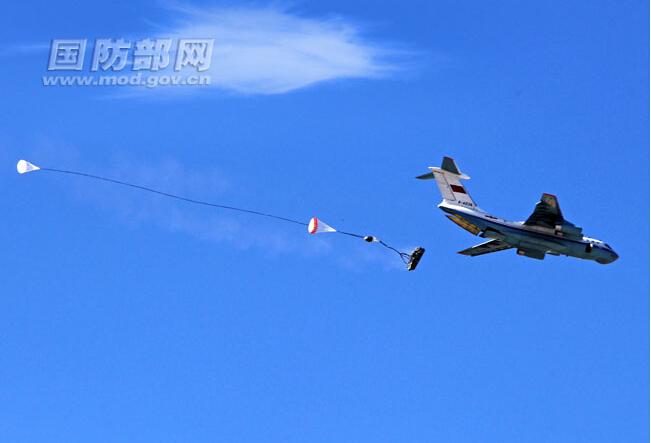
x=428, y=176
x=486, y=248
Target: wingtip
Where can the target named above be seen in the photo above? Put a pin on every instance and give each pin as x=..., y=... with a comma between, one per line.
x=427, y=176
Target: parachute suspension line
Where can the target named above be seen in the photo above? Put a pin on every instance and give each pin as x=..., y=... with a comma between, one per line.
x=178, y=197
x=351, y=234
x=405, y=257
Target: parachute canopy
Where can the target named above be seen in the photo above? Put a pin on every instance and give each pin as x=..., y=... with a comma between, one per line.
x=24, y=166
x=316, y=226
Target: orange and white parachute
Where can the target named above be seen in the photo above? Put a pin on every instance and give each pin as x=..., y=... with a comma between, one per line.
x=316, y=226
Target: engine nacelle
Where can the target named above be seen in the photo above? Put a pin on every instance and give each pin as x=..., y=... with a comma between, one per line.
x=531, y=253
x=568, y=229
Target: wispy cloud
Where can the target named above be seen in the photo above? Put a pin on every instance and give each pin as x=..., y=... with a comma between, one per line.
x=261, y=49
x=272, y=50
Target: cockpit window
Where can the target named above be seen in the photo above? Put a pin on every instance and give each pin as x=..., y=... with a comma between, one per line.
x=608, y=246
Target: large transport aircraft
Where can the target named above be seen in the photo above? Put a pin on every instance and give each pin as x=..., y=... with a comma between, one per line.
x=544, y=232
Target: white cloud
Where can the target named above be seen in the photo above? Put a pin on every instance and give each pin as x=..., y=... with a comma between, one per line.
x=271, y=50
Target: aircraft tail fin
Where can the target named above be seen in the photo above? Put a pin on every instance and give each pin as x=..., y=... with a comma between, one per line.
x=448, y=178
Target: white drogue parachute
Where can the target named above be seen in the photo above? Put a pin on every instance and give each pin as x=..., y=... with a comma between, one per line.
x=24, y=166
x=316, y=226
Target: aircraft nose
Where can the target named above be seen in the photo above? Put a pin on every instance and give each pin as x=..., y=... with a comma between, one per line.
x=608, y=258
x=612, y=256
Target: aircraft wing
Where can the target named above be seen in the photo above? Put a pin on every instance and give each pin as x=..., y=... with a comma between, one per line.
x=486, y=248
x=547, y=213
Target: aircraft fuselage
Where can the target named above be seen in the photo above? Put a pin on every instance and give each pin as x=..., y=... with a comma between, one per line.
x=531, y=241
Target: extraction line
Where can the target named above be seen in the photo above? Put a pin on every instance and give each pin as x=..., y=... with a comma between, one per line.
x=405, y=257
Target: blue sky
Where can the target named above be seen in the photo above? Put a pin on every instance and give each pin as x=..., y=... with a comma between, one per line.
x=126, y=317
